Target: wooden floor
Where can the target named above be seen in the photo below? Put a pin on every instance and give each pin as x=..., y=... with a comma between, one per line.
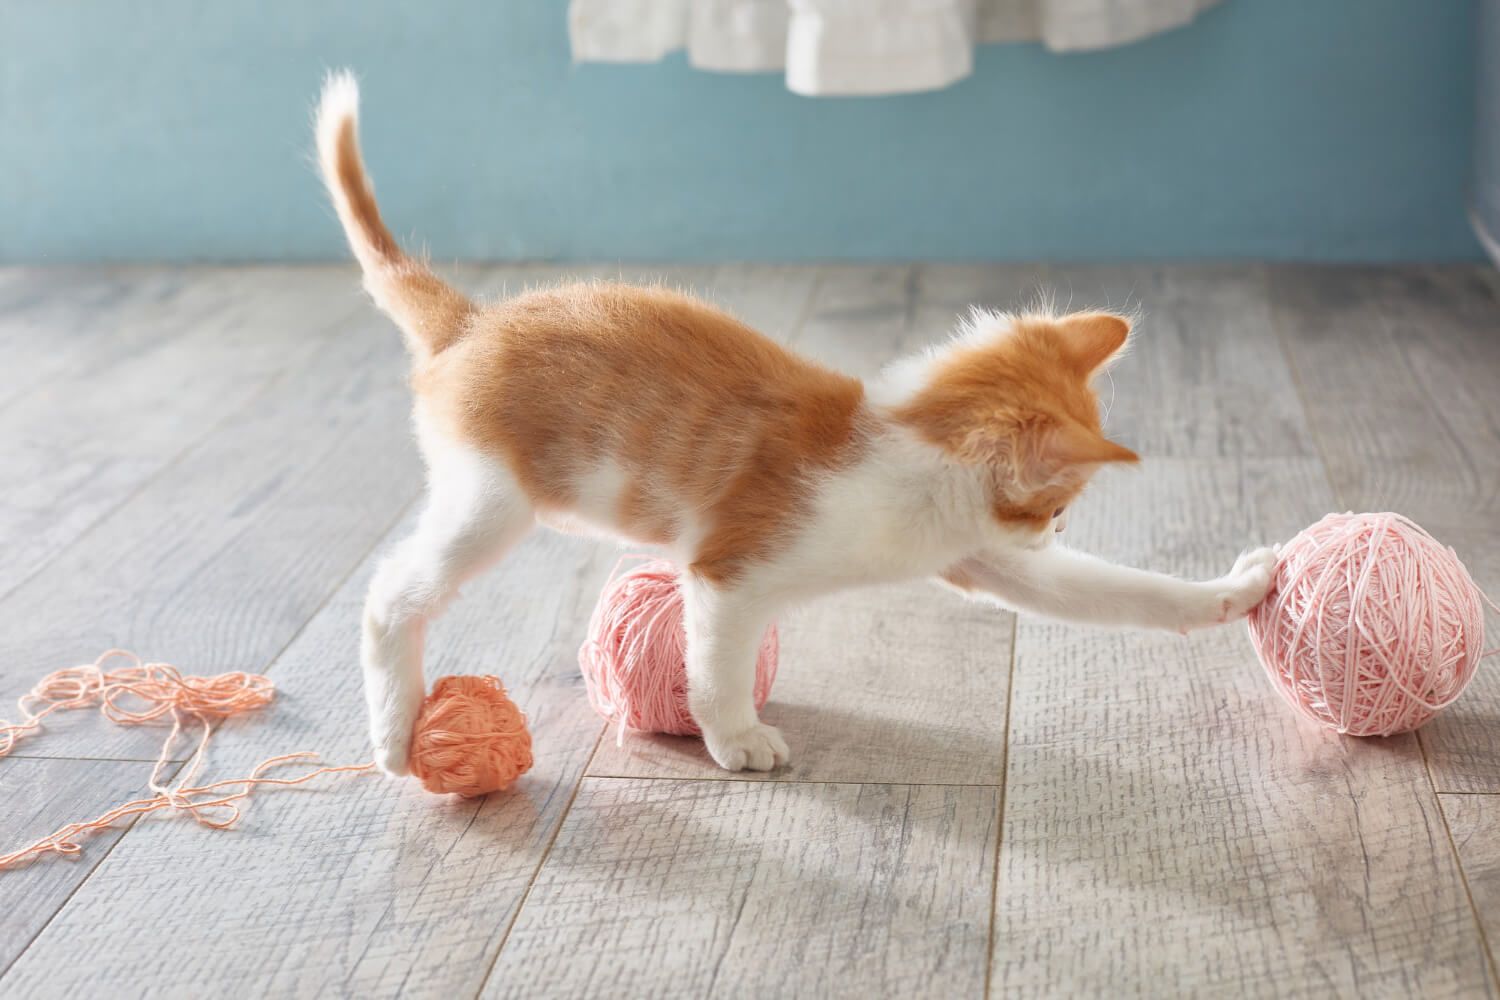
x=204, y=465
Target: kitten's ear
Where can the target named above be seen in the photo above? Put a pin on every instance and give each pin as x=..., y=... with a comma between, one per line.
x=1074, y=444
x=1094, y=339
x=1065, y=446
x=1040, y=451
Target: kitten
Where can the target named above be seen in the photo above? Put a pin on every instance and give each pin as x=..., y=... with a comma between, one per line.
x=651, y=416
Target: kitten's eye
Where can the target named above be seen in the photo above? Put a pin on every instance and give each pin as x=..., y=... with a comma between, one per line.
x=1058, y=513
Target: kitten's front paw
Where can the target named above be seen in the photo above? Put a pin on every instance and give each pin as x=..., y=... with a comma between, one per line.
x=758, y=748
x=1247, y=583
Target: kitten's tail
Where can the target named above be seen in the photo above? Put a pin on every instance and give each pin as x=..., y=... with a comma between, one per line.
x=430, y=312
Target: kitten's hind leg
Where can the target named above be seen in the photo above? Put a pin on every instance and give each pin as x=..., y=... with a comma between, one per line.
x=475, y=512
x=724, y=632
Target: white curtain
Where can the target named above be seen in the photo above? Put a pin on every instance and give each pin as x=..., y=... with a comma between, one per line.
x=829, y=47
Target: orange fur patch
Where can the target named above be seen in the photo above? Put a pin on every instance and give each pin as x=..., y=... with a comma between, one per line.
x=429, y=311
x=697, y=410
x=1022, y=405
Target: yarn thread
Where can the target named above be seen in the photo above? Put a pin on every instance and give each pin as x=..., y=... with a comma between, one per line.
x=470, y=738
x=1372, y=626
x=140, y=693
x=634, y=660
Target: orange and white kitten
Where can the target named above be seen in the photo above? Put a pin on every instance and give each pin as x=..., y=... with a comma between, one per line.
x=651, y=416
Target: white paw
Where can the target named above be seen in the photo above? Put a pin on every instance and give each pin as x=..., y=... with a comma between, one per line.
x=1247, y=584
x=390, y=732
x=758, y=748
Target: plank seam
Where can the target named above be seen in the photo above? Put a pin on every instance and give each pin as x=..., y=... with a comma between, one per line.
x=562, y=819
x=1437, y=798
x=1010, y=693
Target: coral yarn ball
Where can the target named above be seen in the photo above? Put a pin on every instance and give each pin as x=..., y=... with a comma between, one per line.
x=1371, y=626
x=470, y=738
x=634, y=660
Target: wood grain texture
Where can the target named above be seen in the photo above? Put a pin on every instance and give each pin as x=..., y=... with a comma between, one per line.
x=1401, y=369
x=1170, y=827
x=861, y=317
x=41, y=796
x=900, y=684
x=169, y=357
x=217, y=563
x=1474, y=822
x=732, y=888
x=773, y=298
x=357, y=885
x=55, y=319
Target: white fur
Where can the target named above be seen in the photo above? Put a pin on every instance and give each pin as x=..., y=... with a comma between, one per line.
x=475, y=512
x=902, y=511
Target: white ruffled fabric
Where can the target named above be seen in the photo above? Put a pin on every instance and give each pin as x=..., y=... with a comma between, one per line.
x=848, y=47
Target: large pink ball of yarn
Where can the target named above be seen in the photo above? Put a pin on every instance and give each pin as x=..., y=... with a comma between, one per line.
x=1371, y=627
x=634, y=659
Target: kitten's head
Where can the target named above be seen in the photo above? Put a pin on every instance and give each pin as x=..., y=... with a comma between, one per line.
x=1014, y=396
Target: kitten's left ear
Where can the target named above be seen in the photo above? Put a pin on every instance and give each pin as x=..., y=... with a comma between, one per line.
x=1048, y=452
x=1073, y=444
x=1094, y=339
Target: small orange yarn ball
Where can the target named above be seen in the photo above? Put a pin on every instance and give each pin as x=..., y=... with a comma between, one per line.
x=470, y=738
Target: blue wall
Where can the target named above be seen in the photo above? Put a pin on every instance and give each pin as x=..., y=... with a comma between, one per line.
x=177, y=129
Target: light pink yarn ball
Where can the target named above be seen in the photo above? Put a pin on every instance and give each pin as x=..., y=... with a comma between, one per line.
x=1371, y=627
x=634, y=659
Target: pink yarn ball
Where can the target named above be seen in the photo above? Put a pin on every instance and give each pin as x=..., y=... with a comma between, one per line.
x=634, y=660
x=1371, y=627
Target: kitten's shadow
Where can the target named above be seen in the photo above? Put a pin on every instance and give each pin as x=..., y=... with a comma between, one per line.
x=827, y=744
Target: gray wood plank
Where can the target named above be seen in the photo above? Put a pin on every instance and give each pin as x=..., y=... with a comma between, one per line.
x=900, y=684
x=1169, y=825
x=188, y=350
x=698, y=888
x=773, y=298
x=1172, y=827
x=1204, y=376
x=861, y=317
x=215, y=564
x=53, y=319
x=1474, y=822
x=41, y=796
x=356, y=885
x=1401, y=370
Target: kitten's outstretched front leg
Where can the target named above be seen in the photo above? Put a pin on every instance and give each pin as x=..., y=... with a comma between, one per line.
x=1072, y=586
x=724, y=631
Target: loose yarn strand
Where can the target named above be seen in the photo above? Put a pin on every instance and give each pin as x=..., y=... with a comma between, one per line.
x=139, y=693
